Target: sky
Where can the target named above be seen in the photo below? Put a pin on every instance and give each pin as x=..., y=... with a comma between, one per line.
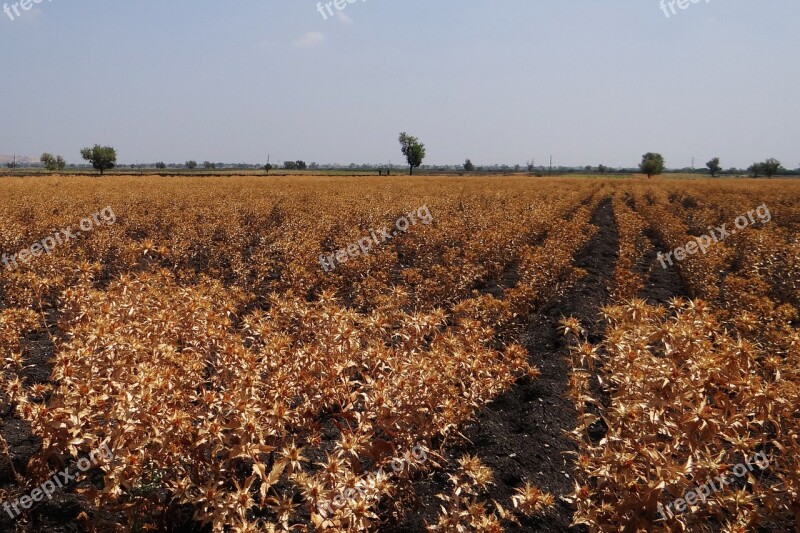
x=504, y=81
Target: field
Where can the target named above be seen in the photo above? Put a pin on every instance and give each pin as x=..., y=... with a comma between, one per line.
x=360, y=353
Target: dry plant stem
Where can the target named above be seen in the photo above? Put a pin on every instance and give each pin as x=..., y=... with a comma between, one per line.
x=6, y=452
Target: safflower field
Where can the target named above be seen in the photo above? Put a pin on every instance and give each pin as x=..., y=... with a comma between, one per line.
x=518, y=358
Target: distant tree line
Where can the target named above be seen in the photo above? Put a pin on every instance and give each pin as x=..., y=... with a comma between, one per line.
x=295, y=165
x=769, y=168
x=103, y=158
x=653, y=164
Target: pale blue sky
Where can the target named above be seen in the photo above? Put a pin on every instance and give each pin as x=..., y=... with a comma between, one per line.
x=500, y=82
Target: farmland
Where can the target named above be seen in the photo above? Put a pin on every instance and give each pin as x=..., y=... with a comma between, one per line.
x=518, y=356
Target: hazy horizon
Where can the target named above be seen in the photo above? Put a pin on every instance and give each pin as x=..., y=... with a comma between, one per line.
x=587, y=83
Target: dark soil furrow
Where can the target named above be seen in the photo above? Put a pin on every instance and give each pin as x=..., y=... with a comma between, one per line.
x=522, y=434
x=59, y=514
x=662, y=283
x=37, y=350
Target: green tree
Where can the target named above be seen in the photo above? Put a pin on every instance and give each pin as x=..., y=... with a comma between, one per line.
x=191, y=165
x=49, y=161
x=290, y=165
x=468, y=166
x=413, y=150
x=771, y=167
x=755, y=169
x=60, y=163
x=602, y=169
x=714, y=167
x=208, y=165
x=301, y=165
x=268, y=167
x=652, y=164
x=161, y=165
x=102, y=158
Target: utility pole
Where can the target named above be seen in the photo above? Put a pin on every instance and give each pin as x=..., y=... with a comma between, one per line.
x=551, y=164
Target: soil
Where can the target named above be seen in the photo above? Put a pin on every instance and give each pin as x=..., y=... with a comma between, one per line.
x=59, y=514
x=662, y=284
x=521, y=435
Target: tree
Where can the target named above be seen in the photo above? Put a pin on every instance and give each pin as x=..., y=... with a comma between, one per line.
x=468, y=166
x=413, y=150
x=290, y=165
x=208, y=165
x=652, y=164
x=602, y=169
x=771, y=167
x=714, y=167
x=301, y=165
x=755, y=169
x=191, y=165
x=52, y=163
x=268, y=167
x=102, y=158
x=49, y=161
x=161, y=165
